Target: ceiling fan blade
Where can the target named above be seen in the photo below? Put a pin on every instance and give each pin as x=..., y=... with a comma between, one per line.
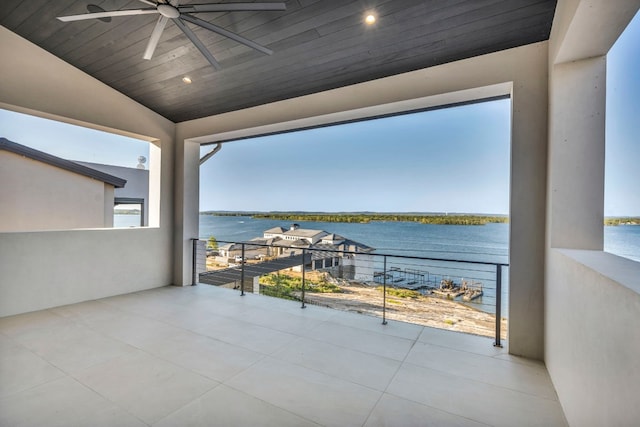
x=106, y=14
x=197, y=43
x=150, y=3
x=226, y=33
x=231, y=7
x=155, y=37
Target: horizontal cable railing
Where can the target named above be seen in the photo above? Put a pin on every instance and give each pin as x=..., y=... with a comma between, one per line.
x=449, y=293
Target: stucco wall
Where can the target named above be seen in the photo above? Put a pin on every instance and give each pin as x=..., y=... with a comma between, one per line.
x=53, y=268
x=37, y=196
x=109, y=195
x=44, y=269
x=592, y=298
x=576, y=154
x=521, y=72
x=593, y=339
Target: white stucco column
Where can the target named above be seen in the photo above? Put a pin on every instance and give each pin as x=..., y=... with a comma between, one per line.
x=576, y=157
x=527, y=211
x=186, y=227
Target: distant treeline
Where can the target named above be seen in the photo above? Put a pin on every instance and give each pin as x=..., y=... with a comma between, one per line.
x=622, y=221
x=365, y=218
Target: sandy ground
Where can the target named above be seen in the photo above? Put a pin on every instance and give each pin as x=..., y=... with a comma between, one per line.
x=423, y=310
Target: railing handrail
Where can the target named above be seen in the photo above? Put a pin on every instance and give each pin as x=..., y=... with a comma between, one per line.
x=305, y=250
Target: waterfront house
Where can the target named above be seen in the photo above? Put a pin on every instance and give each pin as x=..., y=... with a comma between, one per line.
x=328, y=250
x=573, y=309
x=253, y=249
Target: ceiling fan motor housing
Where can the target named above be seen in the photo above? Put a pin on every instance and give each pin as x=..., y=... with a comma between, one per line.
x=168, y=11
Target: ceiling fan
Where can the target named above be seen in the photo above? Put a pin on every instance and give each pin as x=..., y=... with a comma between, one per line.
x=168, y=9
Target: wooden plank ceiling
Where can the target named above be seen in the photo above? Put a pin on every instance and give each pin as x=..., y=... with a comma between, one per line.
x=318, y=45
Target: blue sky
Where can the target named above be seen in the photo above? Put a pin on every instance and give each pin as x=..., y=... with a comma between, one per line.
x=71, y=142
x=622, y=167
x=450, y=160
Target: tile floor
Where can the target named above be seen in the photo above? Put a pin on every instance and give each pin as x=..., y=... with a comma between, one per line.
x=204, y=356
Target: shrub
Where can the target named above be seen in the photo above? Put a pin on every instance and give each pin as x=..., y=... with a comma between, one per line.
x=400, y=293
x=283, y=286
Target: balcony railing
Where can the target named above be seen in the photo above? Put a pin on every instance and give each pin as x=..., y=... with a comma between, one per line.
x=452, y=294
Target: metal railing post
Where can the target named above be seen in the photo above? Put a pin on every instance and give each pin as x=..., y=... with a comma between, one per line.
x=194, y=247
x=304, y=262
x=384, y=292
x=242, y=273
x=498, y=304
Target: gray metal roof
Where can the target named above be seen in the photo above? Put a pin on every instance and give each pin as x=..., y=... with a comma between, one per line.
x=275, y=230
x=61, y=163
x=304, y=232
x=348, y=245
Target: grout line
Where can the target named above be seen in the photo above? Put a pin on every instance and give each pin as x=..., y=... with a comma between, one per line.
x=87, y=386
x=483, y=382
x=332, y=375
x=272, y=404
x=432, y=408
x=375, y=405
x=64, y=375
x=187, y=403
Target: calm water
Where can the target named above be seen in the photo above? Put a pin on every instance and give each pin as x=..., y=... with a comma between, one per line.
x=623, y=240
x=123, y=221
x=477, y=243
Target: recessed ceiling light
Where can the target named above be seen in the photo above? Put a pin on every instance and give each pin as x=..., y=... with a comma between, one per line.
x=370, y=19
x=186, y=80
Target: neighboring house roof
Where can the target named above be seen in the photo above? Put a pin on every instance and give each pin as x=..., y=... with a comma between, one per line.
x=262, y=240
x=298, y=243
x=275, y=230
x=328, y=242
x=353, y=246
x=61, y=163
x=304, y=233
x=332, y=238
x=301, y=243
x=230, y=247
x=347, y=245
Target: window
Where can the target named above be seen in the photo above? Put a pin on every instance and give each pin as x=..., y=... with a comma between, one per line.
x=128, y=212
x=63, y=176
x=622, y=174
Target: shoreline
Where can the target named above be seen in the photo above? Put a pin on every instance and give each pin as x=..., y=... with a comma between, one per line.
x=422, y=310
